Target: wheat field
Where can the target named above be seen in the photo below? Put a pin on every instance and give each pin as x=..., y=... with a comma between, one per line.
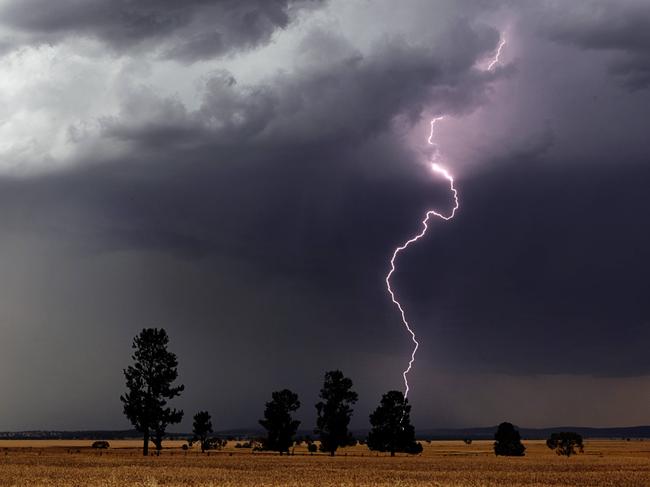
x=448, y=463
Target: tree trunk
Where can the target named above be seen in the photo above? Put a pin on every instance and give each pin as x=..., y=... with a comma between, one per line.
x=332, y=453
x=145, y=447
x=392, y=453
x=157, y=441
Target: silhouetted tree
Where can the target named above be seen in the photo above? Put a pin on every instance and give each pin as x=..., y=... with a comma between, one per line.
x=279, y=424
x=565, y=443
x=149, y=383
x=335, y=411
x=391, y=426
x=201, y=428
x=507, y=441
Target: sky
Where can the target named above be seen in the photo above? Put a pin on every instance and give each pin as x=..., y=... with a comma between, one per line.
x=240, y=172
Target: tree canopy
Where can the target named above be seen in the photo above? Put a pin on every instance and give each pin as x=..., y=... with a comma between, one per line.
x=278, y=422
x=391, y=426
x=565, y=443
x=507, y=441
x=201, y=429
x=334, y=412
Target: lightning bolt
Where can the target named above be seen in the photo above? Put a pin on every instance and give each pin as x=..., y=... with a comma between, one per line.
x=495, y=60
x=441, y=171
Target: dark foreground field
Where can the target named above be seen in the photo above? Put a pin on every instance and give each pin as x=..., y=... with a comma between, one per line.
x=68, y=463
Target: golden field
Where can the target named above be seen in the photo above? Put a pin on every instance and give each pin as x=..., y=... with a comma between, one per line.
x=443, y=463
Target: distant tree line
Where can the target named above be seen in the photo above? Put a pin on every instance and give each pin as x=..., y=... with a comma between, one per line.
x=150, y=385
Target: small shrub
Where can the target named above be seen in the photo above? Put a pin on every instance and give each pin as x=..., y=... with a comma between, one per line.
x=101, y=445
x=312, y=448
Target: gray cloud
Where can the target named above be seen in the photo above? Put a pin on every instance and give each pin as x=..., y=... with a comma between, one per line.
x=620, y=27
x=351, y=96
x=601, y=24
x=191, y=30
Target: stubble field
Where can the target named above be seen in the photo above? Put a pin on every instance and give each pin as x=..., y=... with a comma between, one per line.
x=73, y=463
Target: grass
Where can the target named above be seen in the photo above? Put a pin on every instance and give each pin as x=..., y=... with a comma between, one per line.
x=454, y=464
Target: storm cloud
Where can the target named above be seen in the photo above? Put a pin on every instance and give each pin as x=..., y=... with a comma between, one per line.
x=189, y=31
x=240, y=172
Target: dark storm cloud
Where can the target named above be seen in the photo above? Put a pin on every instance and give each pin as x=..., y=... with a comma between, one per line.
x=347, y=99
x=256, y=224
x=603, y=25
x=620, y=27
x=277, y=178
x=190, y=30
x=546, y=274
x=298, y=134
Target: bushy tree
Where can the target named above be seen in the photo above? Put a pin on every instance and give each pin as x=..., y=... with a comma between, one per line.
x=334, y=412
x=565, y=443
x=278, y=422
x=201, y=428
x=507, y=441
x=149, y=382
x=391, y=426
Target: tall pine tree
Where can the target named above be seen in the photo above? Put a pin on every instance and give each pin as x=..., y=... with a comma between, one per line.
x=149, y=383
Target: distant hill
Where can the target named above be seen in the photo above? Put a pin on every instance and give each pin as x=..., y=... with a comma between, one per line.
x=483, y=433
x=487, y=433
x=77, y=435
